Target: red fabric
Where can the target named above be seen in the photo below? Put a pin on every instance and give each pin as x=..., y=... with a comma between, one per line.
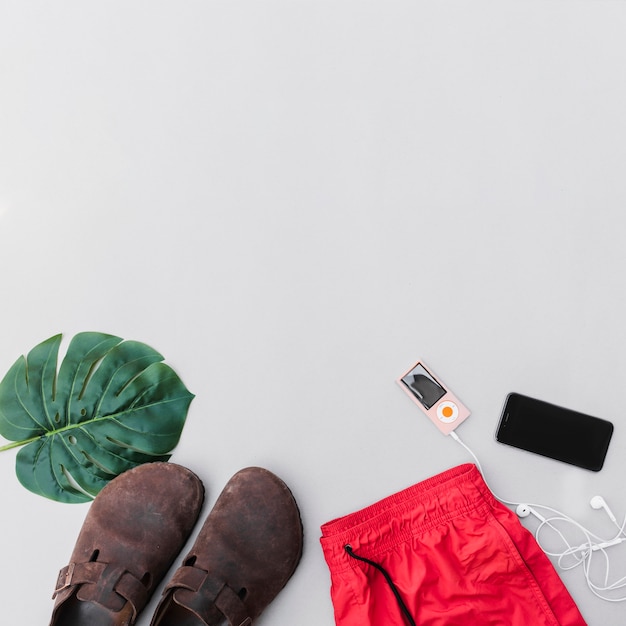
x=457, y=555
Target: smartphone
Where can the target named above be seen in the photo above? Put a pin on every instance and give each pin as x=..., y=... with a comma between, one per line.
x=554, y=432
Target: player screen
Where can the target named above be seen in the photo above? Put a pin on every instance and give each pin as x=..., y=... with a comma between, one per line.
x=423, y=386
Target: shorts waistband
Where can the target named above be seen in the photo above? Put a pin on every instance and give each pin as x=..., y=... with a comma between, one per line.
x=405, y=514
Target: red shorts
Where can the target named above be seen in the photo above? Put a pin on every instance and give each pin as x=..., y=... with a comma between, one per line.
x=455, y=554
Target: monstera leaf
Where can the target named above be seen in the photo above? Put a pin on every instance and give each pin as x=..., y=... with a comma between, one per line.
x=111, y=405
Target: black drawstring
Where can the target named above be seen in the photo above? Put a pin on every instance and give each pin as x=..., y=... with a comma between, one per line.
x=390, y=582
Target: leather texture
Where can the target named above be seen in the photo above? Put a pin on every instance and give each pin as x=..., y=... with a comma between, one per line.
x=134, y=530
x=246, y=551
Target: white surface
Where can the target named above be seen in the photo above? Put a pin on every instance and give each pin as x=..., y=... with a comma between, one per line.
x=293, y=201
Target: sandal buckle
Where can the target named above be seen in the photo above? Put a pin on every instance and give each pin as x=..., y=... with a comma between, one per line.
x=64, y=581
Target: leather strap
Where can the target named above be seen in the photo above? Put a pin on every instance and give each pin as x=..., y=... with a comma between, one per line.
x=133, y=590
x=106, y=577
x=211, y=593
x=78, y=574
x=232, y=607
x=187, y=577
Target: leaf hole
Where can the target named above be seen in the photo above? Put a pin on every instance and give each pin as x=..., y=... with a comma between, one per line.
x=94, y=366
x=73, y=484
x=83, y=412
x=72, y=440
x=57, y=418
x=96, y=463
x=127, y=446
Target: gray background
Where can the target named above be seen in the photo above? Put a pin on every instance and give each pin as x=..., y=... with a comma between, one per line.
x=293, y=202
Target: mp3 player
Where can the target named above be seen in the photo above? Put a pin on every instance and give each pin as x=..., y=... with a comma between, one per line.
x=443, y=408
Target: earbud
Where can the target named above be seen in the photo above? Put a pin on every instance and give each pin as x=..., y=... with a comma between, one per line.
x=524, y=510
x=598, y=502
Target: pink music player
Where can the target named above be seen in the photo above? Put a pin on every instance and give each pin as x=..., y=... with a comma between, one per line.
x=443, y=408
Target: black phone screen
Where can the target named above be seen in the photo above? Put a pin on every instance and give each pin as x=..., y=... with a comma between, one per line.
x=554, y=431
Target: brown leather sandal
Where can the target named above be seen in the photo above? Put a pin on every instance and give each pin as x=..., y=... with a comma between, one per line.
x=246, y=551
x=133, y=531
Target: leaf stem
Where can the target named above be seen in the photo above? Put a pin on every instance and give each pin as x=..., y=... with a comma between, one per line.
x=17, y=444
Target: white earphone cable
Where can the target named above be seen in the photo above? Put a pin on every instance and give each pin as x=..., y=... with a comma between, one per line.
x=579, y=555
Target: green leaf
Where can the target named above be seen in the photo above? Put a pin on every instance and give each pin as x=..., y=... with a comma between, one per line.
x=112, y=405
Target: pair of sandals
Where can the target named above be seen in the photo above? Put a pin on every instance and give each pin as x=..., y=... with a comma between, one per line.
x=246, y=551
